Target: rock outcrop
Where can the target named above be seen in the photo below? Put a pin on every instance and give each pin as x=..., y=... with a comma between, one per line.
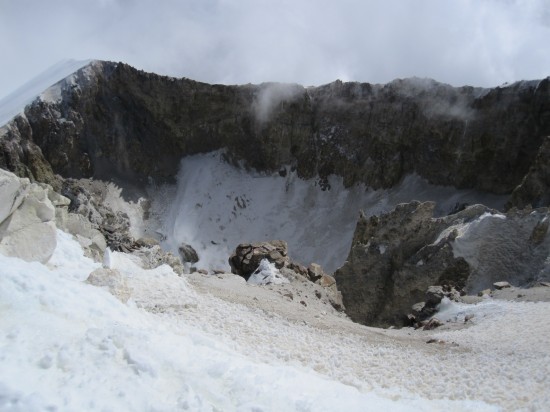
x=188, y=253
x=534, y=189
x=27, y=218
x=248, y=256
x=396, y=257
x=114, y=120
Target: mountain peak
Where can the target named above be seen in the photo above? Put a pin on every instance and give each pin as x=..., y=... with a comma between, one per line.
x=15, y=102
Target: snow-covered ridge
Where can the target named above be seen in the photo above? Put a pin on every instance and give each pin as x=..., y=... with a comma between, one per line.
x=16, y=101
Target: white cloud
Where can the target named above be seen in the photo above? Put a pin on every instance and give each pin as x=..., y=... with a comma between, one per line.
x=479, y=42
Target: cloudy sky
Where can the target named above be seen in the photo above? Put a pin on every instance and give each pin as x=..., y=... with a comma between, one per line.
x=311, y=42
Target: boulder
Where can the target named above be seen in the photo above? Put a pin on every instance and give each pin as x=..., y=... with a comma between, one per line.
x=27, y=228
x=91, y=239
x=188, y=253
x=154, y=256
x=88, y=199
x=434, y=295
x=248, y=256
x=315, y=272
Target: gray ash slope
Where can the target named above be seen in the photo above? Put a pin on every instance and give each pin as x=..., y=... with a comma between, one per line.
x=110, y=121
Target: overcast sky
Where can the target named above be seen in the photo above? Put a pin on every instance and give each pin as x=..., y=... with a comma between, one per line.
x=311, y=42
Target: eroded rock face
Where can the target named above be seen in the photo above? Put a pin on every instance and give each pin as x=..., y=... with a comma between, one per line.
x=116, y=120
x=534, y=189
x=396, y=257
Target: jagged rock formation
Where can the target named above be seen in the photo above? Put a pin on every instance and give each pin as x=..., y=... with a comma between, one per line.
x=396, y=257
x=112, y=119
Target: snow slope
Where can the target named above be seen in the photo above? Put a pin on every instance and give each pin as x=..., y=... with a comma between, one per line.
x=67, y=345
x=14, y=103
x=216, y=206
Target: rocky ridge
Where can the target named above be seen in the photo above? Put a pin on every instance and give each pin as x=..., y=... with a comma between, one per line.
x=112, y=119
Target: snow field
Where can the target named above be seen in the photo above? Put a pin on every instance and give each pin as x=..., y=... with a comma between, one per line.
x=67, y=345
x=216, y=206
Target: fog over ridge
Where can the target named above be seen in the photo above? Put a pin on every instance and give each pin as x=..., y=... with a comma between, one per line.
x=306, y=42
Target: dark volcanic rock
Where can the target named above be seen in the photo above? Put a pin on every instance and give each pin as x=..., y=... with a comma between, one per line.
x=114, y=120
x=188, y=253
x=396, y=257
x=247, y=256
x=534, y=189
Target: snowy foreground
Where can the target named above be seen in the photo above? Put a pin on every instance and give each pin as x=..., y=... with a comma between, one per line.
x=66, y=345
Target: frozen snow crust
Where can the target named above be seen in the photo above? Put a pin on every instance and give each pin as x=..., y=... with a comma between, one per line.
x=216, y=206
x=67, y=345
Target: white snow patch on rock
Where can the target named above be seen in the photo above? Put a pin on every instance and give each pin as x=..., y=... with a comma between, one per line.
x=267, y=274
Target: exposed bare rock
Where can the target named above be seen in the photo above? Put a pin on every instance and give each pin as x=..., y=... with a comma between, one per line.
x=188, y=254
x=147, y=242
x=88, y=199
x=27, y=218
x=395, y=257
x=247, y=256
x=154, y=256
x=393, y=260
x=114, y=120
x=534, y=189
x=315, y=272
